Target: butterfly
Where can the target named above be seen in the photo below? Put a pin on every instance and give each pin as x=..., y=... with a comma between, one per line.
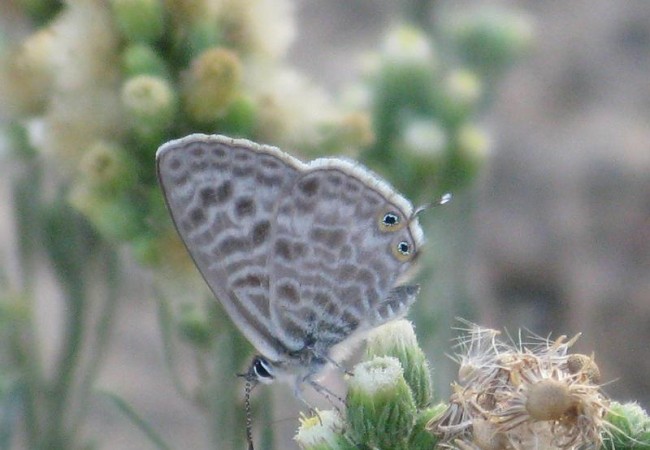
x=305, y=258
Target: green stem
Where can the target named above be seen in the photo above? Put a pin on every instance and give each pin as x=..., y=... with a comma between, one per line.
x=138, y=421
x=223, y=396
x=102, y=335
x=166, y=322
x=24, y=356
x=60, y=397
x=419, y=12
x=70, y=243
x=26, y=198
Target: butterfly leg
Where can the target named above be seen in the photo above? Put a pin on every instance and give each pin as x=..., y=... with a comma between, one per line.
x=330, y=396
x=312, y=410
x=338, y=366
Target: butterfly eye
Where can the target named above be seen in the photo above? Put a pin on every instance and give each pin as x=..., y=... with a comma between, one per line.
x=403, y=251
x=390, y=221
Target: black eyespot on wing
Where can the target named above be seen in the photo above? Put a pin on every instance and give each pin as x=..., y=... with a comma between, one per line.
x=390, y=219
x=261, y=369
x=404, y=248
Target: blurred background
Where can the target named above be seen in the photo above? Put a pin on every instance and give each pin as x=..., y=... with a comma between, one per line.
x=534, y=114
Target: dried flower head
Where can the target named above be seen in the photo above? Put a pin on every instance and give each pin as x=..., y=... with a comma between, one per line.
x=522, y=396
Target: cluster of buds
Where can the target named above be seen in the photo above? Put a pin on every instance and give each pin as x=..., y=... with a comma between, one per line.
x=388, y=404
x=522, y=396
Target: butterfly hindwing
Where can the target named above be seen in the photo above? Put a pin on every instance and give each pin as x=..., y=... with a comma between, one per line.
x=333, y=261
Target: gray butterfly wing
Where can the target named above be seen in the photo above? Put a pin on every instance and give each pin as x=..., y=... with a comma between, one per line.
x=334, y=261
x=222, y=194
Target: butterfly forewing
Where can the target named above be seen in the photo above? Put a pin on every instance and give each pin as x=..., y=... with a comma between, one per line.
x=222, y=195
x=332, y=265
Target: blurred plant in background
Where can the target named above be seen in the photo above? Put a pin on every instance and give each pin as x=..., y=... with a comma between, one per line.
x=99, y=85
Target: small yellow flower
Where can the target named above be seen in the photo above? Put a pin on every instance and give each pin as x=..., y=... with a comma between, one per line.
x=322, y=430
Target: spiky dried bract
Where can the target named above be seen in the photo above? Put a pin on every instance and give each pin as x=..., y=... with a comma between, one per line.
x=522, y=395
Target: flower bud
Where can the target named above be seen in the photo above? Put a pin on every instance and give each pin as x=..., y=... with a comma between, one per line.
x=142, y=59
x=407, y=45
x=629, y=427
x=461, y=90
x=469, y=155
x=26, y=74
x=212, y=84
x=116, y=218
x=423, y=141
x=106, y=166
x=421, y=437
x=322, y=431
x=151, y=104
x=380, y=406
x=194, y=326
x=139, y=20
x=397, y=339
x=240, y=119
x=490, y=39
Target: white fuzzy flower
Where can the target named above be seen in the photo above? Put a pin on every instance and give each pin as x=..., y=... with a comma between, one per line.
x=292, y=110
x=84, y=94
x=259, y=27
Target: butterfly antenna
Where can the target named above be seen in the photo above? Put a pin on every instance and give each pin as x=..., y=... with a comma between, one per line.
x=249, y=414
x=444, y=198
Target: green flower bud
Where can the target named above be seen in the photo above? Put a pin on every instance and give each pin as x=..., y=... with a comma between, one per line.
x=146, y=250
x=41, y=11
x=151, y=104
x=630, y=427
x=404, y=84
x=461, y=91
x=323, y=431
x=240, y=118
x=380, y=406
x=490, y=39
x=473, y=148
x=468, y=152
x=424, y=141
x=194, y=326
x=140, y=20
x=354, y=130
x=203, y=35
x=408, y=46
x=421, y=437
x=142, y=59
x=106, y=166
x=397, y=339
x=407, y=68
x=116, y=218
x=26, y=75
x=212, y=84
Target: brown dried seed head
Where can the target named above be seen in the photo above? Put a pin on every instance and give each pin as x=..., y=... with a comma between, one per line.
x=577, y=363
x=548, y=400
x=487, y=437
